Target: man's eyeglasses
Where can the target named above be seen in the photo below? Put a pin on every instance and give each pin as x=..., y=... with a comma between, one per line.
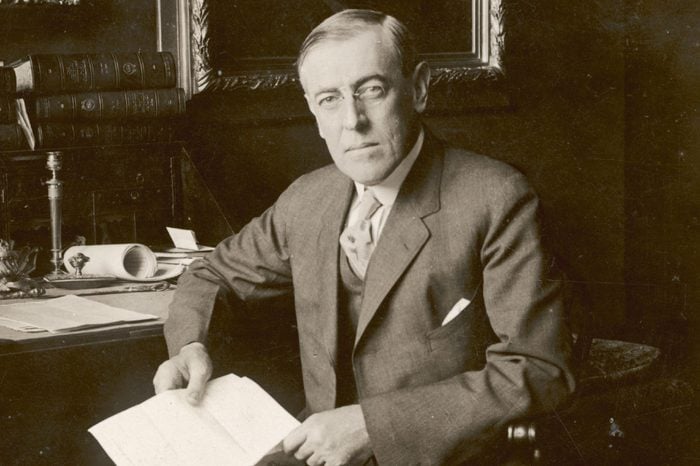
x=368, y=95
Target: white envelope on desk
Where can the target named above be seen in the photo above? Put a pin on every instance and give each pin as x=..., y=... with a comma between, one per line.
x=186, y=240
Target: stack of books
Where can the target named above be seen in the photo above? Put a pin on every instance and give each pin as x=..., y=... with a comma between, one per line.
x=55, y=101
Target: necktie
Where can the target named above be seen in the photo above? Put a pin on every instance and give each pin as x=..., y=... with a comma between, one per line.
x=357, y=239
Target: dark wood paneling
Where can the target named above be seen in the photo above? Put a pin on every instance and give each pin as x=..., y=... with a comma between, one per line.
x=93, y=26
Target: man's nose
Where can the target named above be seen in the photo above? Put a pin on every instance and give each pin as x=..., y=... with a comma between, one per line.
x=354, y=117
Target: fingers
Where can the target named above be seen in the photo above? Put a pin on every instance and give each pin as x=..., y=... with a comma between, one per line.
x=315, y=460
x=168, y=377
x=199, y=374
x=304, y=452
x=294, y=440
x=334, y=437
x=198, y=366
x=191, y=366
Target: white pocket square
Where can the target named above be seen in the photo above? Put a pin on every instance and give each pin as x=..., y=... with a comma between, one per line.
x=456, y=310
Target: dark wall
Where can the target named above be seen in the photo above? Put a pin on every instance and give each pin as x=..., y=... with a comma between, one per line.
x=92, y=26
x=601, y=119
x=662, y=178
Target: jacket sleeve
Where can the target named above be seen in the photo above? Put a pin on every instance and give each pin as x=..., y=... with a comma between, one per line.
x=253, y=264
x=527, y=371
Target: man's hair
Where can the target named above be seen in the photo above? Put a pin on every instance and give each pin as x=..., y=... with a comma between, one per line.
x=350, y=23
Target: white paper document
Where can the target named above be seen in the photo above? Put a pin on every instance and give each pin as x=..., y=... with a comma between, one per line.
x=65, y=314
x=186, y=240
x=236, y=423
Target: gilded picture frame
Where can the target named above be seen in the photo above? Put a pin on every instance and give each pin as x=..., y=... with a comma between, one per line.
x=460, y=79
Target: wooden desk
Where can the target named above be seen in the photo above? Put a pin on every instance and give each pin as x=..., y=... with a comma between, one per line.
x=53, y=387
x=152, y=302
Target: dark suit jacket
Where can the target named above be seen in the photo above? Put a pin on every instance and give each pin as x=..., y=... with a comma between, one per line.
x=463, y=225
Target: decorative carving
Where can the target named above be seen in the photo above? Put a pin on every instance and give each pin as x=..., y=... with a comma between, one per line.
x=497, y=36
x=201, y=60
x=254, y=81
x=15, y=267
x=272, y=80
x=464, y=74
x=78, y=262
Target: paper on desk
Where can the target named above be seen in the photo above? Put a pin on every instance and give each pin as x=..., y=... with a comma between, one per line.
x=19, y=326
x=236, y=422
x=64, y=314
x=183, y=262
x=186, y=240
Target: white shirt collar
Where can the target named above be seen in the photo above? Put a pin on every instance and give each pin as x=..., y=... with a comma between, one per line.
x=388, y=189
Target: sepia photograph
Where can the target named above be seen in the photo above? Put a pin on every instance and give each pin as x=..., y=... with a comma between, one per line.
x=329, y=232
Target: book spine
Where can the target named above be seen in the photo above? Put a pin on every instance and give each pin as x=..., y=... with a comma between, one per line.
x=122, y=105
x=8, y=114
x=11, y=137
x=53, y=73
x=8, y=80
x=55, y=135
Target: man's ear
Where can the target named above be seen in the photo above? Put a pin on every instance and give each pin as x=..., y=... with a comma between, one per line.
x=421, y=83
x=313, y=111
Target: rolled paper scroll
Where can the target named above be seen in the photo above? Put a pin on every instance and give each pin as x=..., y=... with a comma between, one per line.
x=126, y=261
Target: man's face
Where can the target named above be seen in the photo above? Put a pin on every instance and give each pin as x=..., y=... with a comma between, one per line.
x=366, y=110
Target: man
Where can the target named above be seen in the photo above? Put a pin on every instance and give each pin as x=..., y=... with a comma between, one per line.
x=426, y=316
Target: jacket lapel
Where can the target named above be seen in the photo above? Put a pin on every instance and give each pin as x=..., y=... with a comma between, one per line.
x=405, y=232
x=332, y=219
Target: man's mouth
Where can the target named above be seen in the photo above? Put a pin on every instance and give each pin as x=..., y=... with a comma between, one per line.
x=358, y=147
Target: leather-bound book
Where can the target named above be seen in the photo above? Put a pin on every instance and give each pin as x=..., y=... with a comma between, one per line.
x=12, y=137
x=56, y=73
x=110, y=105
x=58, y=135
x=8, y=113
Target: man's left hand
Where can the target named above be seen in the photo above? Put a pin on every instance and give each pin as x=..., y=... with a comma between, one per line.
x=331, y=438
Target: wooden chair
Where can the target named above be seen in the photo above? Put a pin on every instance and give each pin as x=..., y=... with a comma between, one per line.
x=624, y=411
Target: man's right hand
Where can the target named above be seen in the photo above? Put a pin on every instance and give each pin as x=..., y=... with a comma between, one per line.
x=191, y=367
